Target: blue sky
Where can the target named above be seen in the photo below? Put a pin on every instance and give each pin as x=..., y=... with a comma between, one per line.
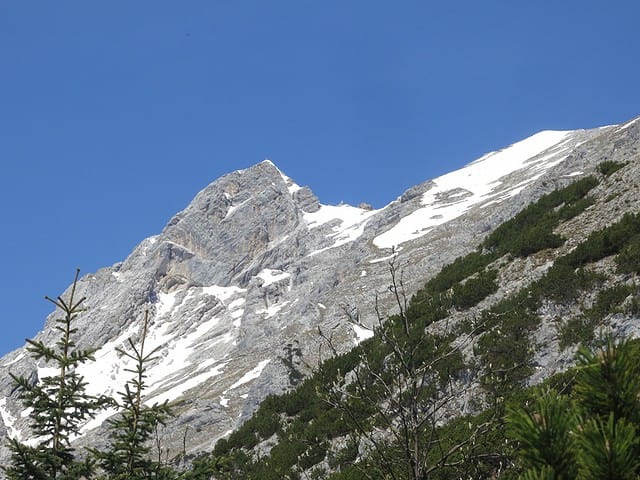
x=113, y=115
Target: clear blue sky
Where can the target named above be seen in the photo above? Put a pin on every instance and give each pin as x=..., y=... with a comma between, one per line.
x=114, y=114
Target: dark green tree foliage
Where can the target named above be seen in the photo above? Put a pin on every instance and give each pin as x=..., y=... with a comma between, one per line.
x=603, y=243
x=582, y=328
x=544, y=433
x=457, y=271
x=609, y=381
x=609, y=167
x=564, y=283
x=532, y=229
x=474, y=290
x=59, y=405
x=591, y=433
x=607, y=450
x=628, y=260
x=128, y=456
x=505, y=349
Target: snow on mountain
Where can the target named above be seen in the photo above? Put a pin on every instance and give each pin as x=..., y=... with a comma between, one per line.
x=479, y=182
x=348, y=223
x=250, y=270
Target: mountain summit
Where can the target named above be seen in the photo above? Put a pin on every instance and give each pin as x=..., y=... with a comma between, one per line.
x=239, y=282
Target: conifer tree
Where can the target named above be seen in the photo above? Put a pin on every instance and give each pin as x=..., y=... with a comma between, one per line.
x=592, y=434
x=128, y=456
x=58, y=404
x=544, y=435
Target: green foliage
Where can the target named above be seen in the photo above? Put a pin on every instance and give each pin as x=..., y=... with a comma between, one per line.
x=581, y=329
x=457, y=271
x=205, y=467
x=605, y=242
x=130, y=432
x=345, y=456
x=628, y=260
x=531, y=230
x=608, y=167
x=592, y=432
x=59, y=404
x=474, y=290
x=504, y=349
x=544, y=433
x=479, y=444
x=607, y=450
x=609, y=380
x=564, y=283
x=534, y=239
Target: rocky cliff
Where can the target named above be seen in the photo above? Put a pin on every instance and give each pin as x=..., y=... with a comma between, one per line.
x=238, y=283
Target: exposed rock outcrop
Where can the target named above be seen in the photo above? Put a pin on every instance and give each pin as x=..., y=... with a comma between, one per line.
x=255, y=264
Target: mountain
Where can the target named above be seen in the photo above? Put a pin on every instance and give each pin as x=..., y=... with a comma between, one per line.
x=239, y=283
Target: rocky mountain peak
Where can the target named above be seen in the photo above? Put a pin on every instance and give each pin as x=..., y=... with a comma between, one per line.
x=238, y=283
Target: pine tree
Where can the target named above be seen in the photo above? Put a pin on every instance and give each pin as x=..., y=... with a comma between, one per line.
x=58, y=404
x=128, y=456
x=544, y=435
x=592, y=434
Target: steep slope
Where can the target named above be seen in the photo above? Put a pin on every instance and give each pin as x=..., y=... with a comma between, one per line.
x=239, y=282
x=505, y=317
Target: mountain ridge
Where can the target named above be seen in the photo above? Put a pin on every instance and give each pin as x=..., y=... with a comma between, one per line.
x=255, y=264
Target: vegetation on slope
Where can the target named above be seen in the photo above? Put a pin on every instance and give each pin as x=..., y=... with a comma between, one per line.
x=589, y=430
x=425, y=399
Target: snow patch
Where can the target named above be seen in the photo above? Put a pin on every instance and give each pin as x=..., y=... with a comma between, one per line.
x=184, y=386
x=362, y=333
x=270, y=276
x=165, y=303
x=237, y=303
x=352, y=221
x=106, y=374
x=44, y=372
x=273, y=309
x=292, y=186
x=233, y=208
x=481, y=180
x=384, y=259
x=96, y=421
x=628, y=124
x=222, y=293
x=173, y=372
x=249, y=376
x=9, y=421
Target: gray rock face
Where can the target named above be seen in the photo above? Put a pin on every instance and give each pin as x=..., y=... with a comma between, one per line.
x=239, y=282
